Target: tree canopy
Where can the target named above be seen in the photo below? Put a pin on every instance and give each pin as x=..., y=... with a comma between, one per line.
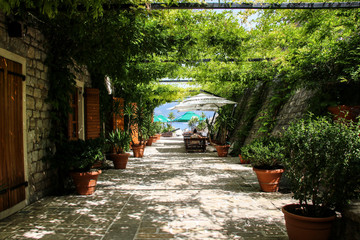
x=136, y=47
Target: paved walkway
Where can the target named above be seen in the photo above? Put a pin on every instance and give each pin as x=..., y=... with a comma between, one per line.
x=168, y=194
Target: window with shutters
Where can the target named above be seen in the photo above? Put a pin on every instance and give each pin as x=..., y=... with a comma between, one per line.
x=84, y=117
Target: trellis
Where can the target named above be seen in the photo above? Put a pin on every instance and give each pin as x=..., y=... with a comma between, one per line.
x=225, y=5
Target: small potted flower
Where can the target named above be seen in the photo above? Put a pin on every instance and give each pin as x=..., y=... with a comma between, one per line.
x=120, y=142
x=322, y=163
x=265, y=155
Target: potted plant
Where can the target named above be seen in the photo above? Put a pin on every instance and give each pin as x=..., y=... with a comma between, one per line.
x=223, y=124
x=78, y=157
x=265, y=155
x=150, y=130
x=157, y=128
x=120, y=142
x=242, y=160
x=322, y=162
x=345, y=112
x=137, y=114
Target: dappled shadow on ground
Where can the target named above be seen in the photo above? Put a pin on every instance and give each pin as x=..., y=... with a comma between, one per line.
x=166, y=194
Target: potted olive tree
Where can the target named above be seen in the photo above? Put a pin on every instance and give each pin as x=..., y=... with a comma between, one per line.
x=78, y=157
x=322, y=163
x=120, y=142
x=223, y=124
x=265, y=155
x=138, y=115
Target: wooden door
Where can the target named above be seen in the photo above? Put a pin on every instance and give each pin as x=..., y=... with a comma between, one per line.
x=12, y=175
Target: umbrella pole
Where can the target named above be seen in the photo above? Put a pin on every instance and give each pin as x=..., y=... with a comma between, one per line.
x=212, y=122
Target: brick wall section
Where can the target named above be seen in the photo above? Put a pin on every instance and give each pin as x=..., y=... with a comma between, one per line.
x=31, y=46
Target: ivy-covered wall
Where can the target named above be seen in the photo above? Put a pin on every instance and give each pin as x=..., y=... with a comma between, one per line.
x=257, y=114
x=31, y=46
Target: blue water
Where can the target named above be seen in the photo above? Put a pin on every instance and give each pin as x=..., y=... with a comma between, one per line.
x=163, y=110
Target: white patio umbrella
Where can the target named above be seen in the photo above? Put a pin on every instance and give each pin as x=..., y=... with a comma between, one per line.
x=202, y=102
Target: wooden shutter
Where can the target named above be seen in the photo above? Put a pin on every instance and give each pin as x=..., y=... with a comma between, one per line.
x=118, y=115
x=135, y=129
x=12, y=174
x=92, y=111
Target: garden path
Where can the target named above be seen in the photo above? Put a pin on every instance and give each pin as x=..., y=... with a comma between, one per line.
x=168, y=194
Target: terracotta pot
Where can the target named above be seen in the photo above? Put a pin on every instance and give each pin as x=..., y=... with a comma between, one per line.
x=97, y=164
x=242, y=161
x=150, y=141
x=345, y=112
x=158, y=136
x=120, y=160
x=154, y=138
x=138, y=150
x=269, y=179
x=310, y=228
x=85, y=182
x=222, y=150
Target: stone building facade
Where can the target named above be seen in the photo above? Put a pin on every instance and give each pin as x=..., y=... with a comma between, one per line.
x=30, y=51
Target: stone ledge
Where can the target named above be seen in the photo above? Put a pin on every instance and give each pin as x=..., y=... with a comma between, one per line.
x=350, y=226
x=353, y=212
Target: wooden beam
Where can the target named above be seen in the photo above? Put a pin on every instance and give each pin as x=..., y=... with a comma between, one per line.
x=175, y=81
x=318, y=5
x=208, y=60
x=224, y=5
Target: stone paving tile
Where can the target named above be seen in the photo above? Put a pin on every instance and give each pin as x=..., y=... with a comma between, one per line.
x=168, y=194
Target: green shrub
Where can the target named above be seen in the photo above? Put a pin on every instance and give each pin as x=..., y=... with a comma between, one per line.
x=119, y=140
x=322, y=163
x=79, y=155
x=264, y=152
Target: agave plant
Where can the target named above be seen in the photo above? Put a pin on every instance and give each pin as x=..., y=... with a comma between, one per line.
x=119, y=140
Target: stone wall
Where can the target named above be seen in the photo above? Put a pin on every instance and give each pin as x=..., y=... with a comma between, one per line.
x=293, y=109
x=30, y=46
x=348, y=226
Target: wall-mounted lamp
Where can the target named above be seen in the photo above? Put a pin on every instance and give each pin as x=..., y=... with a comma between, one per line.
x=14, y=29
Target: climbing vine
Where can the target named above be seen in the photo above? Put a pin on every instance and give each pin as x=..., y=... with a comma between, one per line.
x=137, y=47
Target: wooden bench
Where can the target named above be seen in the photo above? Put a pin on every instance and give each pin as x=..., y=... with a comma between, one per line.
x=195, y=144
x=167, y=134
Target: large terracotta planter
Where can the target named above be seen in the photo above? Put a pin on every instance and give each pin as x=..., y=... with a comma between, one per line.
x=222, y=150
x=243, y=161
x=120, y=160
x=85, y=182
x=138, y=150
x=269, y=179
x=309, y=228
x=158, y=136
x=345, y=112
